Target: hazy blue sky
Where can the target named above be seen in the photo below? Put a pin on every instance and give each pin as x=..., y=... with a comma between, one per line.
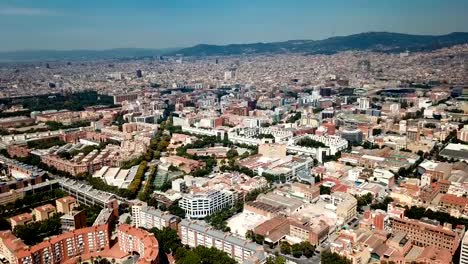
x=102, y=24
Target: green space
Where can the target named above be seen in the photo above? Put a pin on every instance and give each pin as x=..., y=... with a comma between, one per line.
x=308, y=142
x=364, y=200
x=74, y=101
x=45, y=143
x=219, y=219
x=92, y=213
x=52, y=125
x=325, y=190
x=149, y=187
x=35, y=232
x=334, y=258
x=297, y=250
x=415, y=212
x=275, y=260
x=382, y=205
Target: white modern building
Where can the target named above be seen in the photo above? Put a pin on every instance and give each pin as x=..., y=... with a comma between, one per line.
x=364, y=103
x=205, y=202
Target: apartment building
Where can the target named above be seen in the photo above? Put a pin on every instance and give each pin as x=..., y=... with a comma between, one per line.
x=86, y=195
x=44, y=212
x=346, y=205
x=198, y=233
x=58, y=249
x=464, y=250
x=453, y=202
x=65, y=165
x=21, y=219
x=148, y=217
x=132, y=239
x=203, y=203
x=424, y=233
x=65, y=204
x=12, y=195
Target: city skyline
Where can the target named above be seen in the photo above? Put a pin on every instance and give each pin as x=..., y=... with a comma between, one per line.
x=65, y=25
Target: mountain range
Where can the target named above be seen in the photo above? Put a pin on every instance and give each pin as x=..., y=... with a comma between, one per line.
x=370, y=41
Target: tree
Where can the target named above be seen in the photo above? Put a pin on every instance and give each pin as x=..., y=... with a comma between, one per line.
x=169, y=237
x=35, y=232
x=176, y=210
x=4, y=224
x=334, y=258
x=202, y=254
x=376, y=131
x=275, y=260
x=307, y=249
x=325, y=190
x=285, y=248
x=296, y=250
x=364, y=199
x=382, y=205
x=232, y=153
x=308, y=142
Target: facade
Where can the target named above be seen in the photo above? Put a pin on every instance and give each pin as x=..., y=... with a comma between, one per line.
x=353, y=136
x=346, y=205
x=58, y=249
x=86, y=195
x=453, y=202
x=364, y=103
x=120, y=98
x=202, y=204
x=218, y=152
x=18, y=150
x=21, y=219
x=44, y=212
x=148, y=217
x=198, y=233
x=132, y=239
x=313, y=233
x=426, y=234
x=464, y=250
x=73, y=220
x=66, y=204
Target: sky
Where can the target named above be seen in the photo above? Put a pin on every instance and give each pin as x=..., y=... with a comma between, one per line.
x=106, y=24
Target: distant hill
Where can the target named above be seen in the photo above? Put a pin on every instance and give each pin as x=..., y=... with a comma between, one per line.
x=79, y=55
x=371, y=41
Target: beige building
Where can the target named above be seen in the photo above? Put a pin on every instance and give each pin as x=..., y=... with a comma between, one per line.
x=426, y=234
x=66, y=204
x=346, y=205
x=21, y=219
x=9, y=244
x=44, y=212
x=11, y=196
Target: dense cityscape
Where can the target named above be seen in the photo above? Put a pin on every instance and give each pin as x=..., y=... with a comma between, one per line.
x=350, y=155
